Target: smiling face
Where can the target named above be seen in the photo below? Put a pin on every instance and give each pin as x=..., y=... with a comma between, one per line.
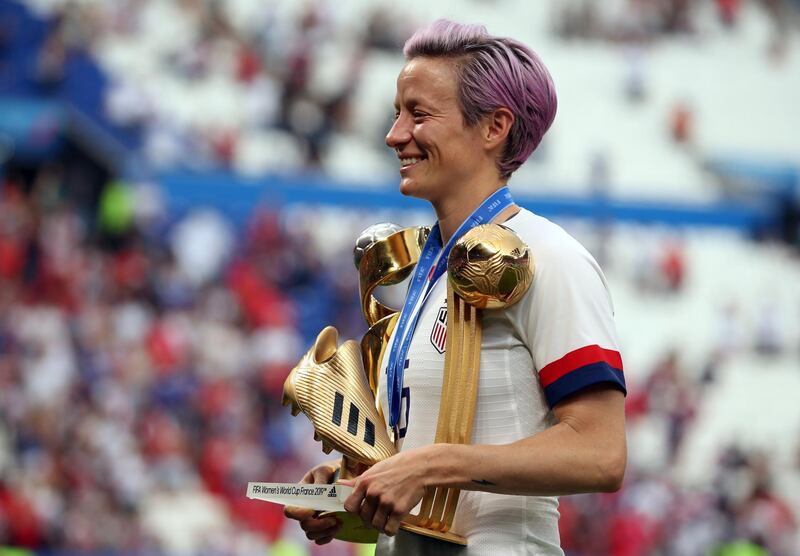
x=438, y=154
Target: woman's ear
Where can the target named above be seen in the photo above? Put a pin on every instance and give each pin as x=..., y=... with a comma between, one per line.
x=496, y=127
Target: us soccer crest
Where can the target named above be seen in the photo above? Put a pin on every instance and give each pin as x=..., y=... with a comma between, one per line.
x=439, y=332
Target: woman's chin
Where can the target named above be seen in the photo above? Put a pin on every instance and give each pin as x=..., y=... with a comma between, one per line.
x=411, y=188
x=407, y=187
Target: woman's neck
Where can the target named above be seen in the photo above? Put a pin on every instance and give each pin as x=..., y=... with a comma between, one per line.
x=452, y=212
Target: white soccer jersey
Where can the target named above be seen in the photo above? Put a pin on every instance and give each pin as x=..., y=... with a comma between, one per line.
x=559, y=339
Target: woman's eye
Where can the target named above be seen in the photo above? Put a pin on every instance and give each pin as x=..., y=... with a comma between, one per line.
x=416, y=114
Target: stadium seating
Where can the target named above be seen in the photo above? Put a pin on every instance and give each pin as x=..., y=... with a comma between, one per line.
x=145, y=335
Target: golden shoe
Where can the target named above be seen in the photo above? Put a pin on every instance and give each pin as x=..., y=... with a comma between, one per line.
x=329, y=385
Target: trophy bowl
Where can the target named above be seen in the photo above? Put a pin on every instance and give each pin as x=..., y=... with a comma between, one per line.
x=371, y=235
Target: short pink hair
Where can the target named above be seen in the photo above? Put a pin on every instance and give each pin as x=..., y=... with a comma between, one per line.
x=494, y=72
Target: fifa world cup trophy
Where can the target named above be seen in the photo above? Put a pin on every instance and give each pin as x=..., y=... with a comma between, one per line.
x=335, y=386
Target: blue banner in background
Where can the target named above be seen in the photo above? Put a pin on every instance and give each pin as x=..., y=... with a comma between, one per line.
x=758, y=176
x=238, y=197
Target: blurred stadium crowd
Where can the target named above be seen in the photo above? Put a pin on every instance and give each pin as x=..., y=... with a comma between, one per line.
x=142, y=355
x=125, y=378
x=139, y=395
x=283, y=86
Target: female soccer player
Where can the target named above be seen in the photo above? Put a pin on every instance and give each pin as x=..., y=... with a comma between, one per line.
x=470, y=109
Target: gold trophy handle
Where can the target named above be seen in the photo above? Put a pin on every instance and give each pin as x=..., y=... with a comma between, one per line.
x=373, y=346
x=388, y=261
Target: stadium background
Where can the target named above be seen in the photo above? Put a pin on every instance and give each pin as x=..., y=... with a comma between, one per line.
x=182, y=182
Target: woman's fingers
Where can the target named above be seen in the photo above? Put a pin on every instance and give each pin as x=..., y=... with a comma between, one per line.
x=322, y=475
x=393, y=524
x=327, y=528
x=293, y=512
x=319, y=524
x=367, y=511
x=379, y=519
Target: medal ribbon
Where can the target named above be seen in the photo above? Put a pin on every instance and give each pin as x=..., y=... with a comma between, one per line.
x=432, y=264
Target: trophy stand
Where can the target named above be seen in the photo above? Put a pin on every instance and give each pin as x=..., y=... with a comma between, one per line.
x=489, y=267
x=456, y=413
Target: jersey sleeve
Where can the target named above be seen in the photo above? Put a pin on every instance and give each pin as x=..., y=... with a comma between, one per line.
x=568, y=322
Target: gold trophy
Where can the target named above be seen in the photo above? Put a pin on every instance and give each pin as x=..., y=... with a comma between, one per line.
x=489, y=267
x=336, y=386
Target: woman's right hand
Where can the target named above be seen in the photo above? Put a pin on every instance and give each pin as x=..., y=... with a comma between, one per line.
x=321, y=530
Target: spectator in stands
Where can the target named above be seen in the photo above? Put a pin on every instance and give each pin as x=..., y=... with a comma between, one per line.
x=672, y=266
x=681, y=123
x=728, y=11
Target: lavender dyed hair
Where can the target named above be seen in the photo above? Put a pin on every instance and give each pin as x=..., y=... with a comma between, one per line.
x=493, y=72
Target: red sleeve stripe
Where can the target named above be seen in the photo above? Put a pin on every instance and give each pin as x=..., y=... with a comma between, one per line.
x=577, y=359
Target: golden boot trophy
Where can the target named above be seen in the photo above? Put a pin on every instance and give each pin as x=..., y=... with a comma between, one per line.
x=335, y=386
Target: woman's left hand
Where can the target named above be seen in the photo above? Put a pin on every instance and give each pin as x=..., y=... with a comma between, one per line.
x=388, y=490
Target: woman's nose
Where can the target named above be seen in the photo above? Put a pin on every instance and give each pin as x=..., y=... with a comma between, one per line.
x=399, y=134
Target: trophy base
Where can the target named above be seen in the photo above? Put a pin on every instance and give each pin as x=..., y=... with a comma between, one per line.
x=353, y=529
x=440, y=535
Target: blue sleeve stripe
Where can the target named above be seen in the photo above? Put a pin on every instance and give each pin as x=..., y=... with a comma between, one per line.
x=582, y=377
